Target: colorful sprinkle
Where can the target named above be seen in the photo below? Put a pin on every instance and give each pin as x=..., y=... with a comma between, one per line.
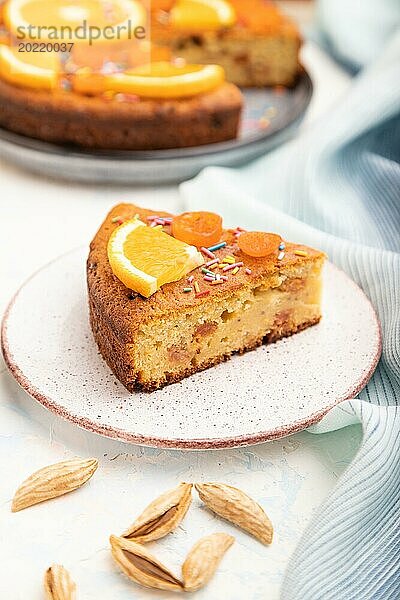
x=156, y=220
x=264, y=123
x=238, y=231
x=109, y=67
x=66, y=85
x=270, y=112
x=212, y=262
x=214, y=266
x=69, y=66
x=232, y=267
x=201, y=294
x=216, y=247
x=282, y=246
x=229, y=259
x=208, y=278
x=235, y=270
x=179, y=62
x=116, y=219
x=196, y=287
x=188, y=289
x=301, y=253
x=281, y=255
x=248, y=271
x=280, y=90
x=126, y=97
x=207, y=272
x=190, y=279
x=207, y=252
x=217, y=281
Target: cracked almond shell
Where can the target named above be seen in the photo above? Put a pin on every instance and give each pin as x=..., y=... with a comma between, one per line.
x=141, y=566
x=162, y=515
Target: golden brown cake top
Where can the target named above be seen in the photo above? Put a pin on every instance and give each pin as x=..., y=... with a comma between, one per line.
x=259, y=17
x=126, y=309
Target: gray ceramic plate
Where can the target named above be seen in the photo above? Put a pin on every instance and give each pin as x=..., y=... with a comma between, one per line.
x=268, y=393
x=284, y=110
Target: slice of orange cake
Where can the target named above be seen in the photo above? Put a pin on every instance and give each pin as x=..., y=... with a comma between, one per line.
x=252, y=40
x=173, y=295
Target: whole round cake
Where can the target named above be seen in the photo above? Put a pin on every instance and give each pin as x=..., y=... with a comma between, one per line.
x=173, y=88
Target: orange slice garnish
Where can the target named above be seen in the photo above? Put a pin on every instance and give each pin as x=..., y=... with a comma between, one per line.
x=202, y=15
x=259, y=243
x=156, y=80
x=29, y=69
x=54, y=14
x=145, y=258
x=198, y=228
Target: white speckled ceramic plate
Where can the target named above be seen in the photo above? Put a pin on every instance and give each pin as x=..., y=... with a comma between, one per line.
x=267, y=393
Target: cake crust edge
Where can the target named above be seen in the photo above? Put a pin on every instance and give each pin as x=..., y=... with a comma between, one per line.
x=97, y=124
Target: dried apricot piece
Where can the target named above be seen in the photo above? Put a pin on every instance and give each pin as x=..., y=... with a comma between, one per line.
x=259, y=243
x=197, y=228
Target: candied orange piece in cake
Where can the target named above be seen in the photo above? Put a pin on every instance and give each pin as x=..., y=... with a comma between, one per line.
x=259, y=243
x=197, y=228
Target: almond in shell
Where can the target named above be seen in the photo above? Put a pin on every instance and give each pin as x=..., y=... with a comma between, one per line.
x=203, y=560
x=52, y=481
x=58, y=584
x=141, y=566
x=162, y=515
x=237, y=507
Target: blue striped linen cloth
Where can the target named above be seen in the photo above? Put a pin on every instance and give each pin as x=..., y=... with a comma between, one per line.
x=337, y=187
